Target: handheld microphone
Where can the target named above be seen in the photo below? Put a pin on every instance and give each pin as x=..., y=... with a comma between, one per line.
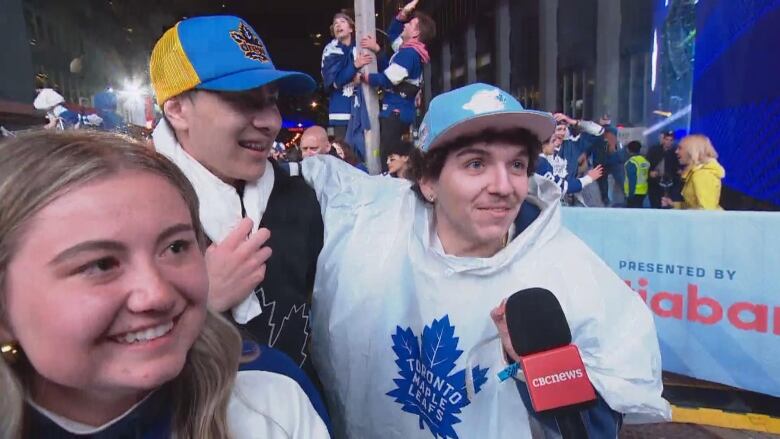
x=555, y=375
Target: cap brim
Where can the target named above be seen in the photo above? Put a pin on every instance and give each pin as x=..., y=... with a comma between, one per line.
x=289, y=83
x=538, y=122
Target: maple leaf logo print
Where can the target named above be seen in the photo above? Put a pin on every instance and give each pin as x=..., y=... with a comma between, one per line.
x=427, y=386
x=249, y=43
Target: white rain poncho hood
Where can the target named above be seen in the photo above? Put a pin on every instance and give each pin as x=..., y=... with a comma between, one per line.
x=402, y=336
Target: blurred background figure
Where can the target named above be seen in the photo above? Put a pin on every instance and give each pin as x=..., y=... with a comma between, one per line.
x=105, y=106
x=314, y=140
x=400, y=78
x=59, y=117
x=398, y=158
x=615, y=157
x=702, y=174
x=664, y=179
x=344, y=151
x=340, y=65
x=554, y=167
x=637, y=169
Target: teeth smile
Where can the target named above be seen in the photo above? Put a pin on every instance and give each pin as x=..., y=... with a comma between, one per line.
x=145, y=335
x=252, y=145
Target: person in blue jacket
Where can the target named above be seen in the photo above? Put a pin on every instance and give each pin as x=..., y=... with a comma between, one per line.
x=574, y=145
x=105, y=105
x=553, y=166
x=401, y=77
x=614, y=158
x=340, y=65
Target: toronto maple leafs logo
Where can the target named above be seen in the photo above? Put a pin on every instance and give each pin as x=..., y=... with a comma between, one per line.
x=249, y=43
x=348, y=90
x=485, y=101
x=429, y=387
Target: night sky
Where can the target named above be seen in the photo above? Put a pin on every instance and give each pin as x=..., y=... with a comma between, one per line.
x=294, y=31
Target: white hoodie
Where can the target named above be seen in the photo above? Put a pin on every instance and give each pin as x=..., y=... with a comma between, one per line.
x=403, y=340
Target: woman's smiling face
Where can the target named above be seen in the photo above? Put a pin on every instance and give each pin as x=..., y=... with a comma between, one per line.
x=106, y=291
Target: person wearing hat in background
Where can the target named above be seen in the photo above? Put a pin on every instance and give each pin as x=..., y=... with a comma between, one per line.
x=53, y=104
x=417, y=356
x=612, y=156
x=664, y=168
x=217, y=86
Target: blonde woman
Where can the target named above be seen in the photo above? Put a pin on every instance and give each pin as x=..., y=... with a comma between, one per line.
x=702, y=174
x=103, y=320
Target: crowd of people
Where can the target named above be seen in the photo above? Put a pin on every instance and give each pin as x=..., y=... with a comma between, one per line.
x=202, y=288
x=578, y=154
x=665, y=175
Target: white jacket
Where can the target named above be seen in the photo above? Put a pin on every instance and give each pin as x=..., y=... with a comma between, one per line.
x=263, y=405
x=267, y=405
x=403, y=340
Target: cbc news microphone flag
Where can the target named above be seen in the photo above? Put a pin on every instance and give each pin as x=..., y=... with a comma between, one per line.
x=711, y=279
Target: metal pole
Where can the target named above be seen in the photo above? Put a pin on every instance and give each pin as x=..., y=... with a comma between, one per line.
x=365, y=23
x=548, y=54
x=607, y=59
x=503, y=29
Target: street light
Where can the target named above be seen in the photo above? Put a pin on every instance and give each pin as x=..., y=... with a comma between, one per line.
x=132, y=90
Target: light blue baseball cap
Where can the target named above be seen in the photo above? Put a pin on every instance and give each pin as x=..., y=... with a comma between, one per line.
x=476, y=107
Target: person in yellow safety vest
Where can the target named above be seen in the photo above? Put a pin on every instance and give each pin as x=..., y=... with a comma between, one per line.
x=637, y=169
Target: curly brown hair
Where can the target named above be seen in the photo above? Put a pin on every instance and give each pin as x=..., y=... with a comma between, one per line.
x=429, y=165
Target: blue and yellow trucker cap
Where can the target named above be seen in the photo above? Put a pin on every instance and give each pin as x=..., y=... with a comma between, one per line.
x=219, y=53
x=476, y=107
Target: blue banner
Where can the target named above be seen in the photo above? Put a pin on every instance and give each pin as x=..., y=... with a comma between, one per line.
x=711, y=281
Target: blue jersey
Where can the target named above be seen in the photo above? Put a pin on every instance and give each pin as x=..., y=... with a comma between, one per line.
x=572, y=148
x=400, y=79
x=338, y=71
x=555, y=169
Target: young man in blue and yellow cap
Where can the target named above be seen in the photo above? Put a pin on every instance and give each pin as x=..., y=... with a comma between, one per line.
x=218, y=88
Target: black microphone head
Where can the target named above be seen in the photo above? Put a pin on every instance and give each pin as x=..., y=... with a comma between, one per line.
x=536, y=321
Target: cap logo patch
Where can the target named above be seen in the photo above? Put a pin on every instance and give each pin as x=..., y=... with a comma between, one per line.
x=486, y=101
x=249, y=43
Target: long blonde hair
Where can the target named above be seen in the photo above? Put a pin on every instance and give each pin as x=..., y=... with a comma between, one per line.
x=39, y=167
x=699, y=149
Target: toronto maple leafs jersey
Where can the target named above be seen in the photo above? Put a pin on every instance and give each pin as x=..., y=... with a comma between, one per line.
x=554, y=168
x=338, y=70
x=404, y=343
x=399, y=77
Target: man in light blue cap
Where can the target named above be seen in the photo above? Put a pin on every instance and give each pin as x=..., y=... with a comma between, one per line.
x=408, y=306
x=218, y=88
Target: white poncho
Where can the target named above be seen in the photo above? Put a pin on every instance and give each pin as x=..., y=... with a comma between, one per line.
x=402, y=335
